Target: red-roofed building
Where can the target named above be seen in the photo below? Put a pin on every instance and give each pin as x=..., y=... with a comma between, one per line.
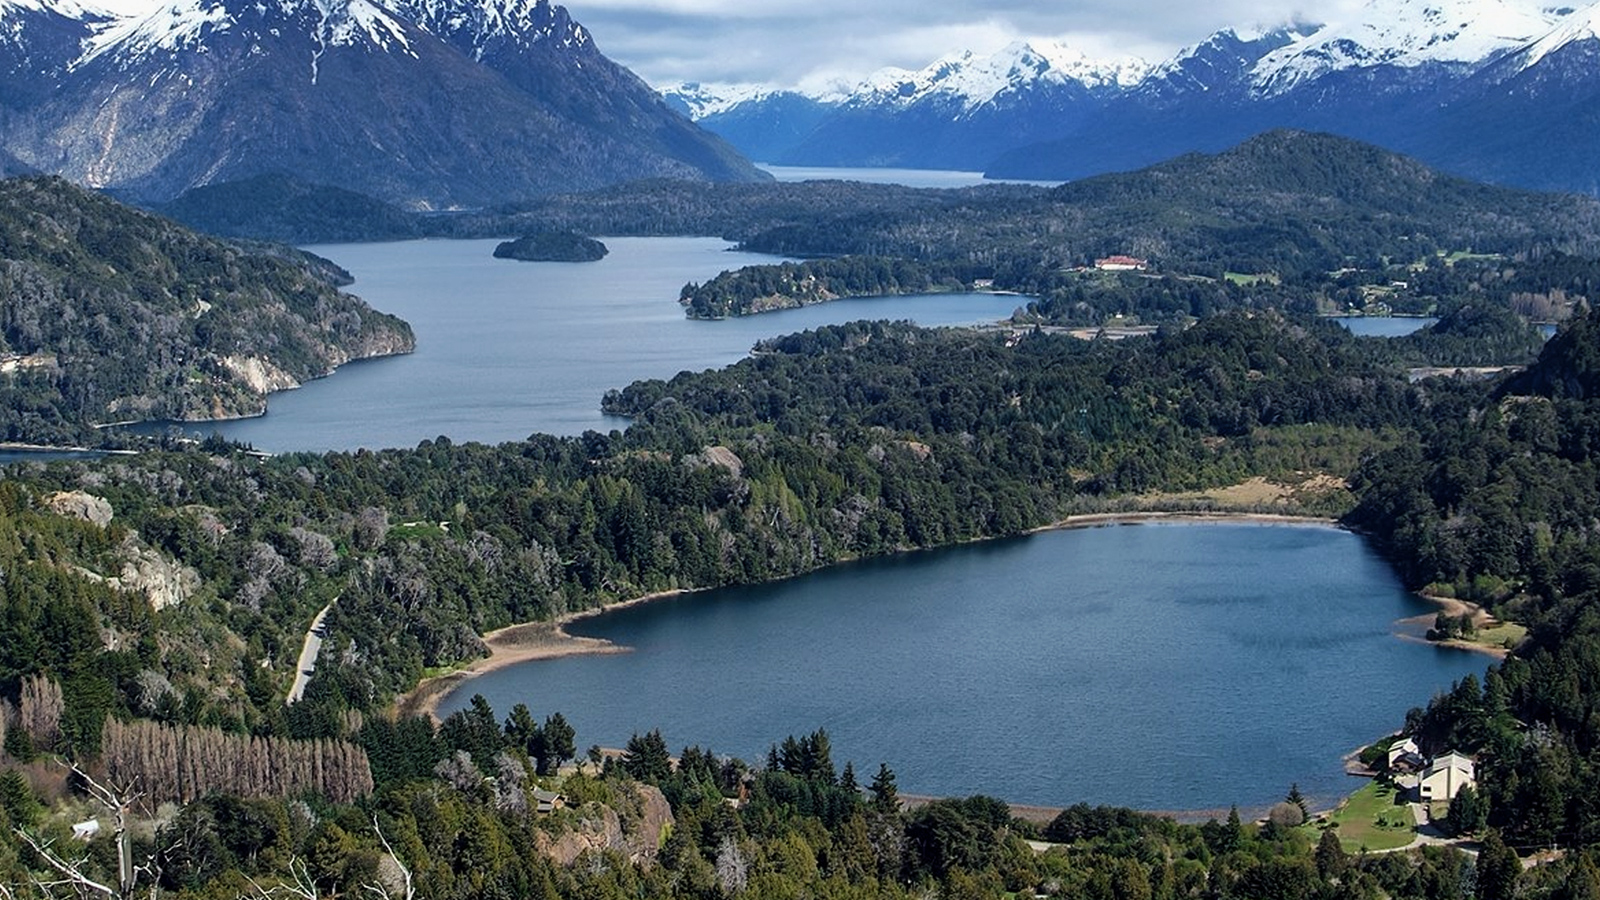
x=1122, y=264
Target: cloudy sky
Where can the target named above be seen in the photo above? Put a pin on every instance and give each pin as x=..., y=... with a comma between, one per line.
x=811, y=42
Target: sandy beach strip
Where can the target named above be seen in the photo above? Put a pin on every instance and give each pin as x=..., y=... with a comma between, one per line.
x=514, y=644
x=1455, y=607
x=1140, y=517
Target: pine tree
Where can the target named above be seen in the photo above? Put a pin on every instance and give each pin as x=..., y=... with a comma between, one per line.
x=560, y=743
x=647, y=758
x=885, y=795
x=1298, y=799
x=847, y=781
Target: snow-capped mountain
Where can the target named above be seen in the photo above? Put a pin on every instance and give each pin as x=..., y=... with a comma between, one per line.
x=35, y=35
x=180, y=27
x=424, y=102
x=1504, y=90
x=1573, y=31
x=967, y=81
x=1404, y=34
x=1218, y=64
x=943, y=115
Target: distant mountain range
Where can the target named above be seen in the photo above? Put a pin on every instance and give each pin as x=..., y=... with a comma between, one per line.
x=426, y=103
x=1491, y=89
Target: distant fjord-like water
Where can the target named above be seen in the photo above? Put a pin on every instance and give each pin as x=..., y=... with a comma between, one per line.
x=1159, y=666
x=506, y=349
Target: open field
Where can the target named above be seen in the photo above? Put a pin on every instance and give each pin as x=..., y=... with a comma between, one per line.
x=1369, y=819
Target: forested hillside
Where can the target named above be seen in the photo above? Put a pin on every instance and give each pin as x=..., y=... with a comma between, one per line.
x=108, y=314
x=844, y=442
x=1287, y=202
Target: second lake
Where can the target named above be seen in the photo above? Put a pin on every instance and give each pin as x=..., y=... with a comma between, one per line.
x=1159, y=666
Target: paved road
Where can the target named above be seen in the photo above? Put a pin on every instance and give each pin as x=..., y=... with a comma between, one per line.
x=308, y=656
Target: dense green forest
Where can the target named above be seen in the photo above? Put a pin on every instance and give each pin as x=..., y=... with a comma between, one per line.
x=846, y=441
x=552, y=246
x=1295, y=205
x=756, y=289
x=108, y=314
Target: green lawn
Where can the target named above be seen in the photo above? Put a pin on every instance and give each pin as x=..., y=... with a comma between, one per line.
x=1506, y=634
x=1460, y=255
x=1246, y=279
x=1369, y=818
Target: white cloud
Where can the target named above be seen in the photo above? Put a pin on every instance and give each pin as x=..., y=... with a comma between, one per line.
x=791, y=43
x=817, y=42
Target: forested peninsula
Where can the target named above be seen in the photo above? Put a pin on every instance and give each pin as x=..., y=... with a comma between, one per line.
x=108, y=315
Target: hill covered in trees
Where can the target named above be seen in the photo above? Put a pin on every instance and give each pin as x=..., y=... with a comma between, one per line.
x=1293, y=203
x=109, y=314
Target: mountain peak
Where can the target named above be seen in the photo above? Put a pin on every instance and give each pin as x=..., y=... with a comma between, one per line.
x=181, y=25
x=1582, y=25
x=1403, y=33
x=971, y=80
x=483, y=27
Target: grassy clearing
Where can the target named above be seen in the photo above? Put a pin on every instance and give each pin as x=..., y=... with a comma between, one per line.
x=1246, y=279
x=1501, y=636
x=1370, y=819
x=1460, y=255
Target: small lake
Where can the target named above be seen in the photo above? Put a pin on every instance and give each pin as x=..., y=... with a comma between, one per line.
x=506, y=349
x=916, y=178
x=1160, y=666
x=1385, y=326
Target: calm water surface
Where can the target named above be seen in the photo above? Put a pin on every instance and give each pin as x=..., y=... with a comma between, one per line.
x=1385, y=326
x=506, y=349
x=917, y=178
x=1157, y=666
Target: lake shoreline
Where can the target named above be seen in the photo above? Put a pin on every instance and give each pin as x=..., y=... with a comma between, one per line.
x=549, y=639
x=520, y=643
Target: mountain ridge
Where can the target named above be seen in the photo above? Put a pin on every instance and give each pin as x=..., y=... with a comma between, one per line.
x=434, y=108
x=1429, y=80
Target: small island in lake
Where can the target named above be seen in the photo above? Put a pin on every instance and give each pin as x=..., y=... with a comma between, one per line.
x=552, y=246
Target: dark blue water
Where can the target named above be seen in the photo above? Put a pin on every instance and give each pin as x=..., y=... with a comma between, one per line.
x=1384, y=326
x=917, y=178
x=1167, y=666
x=506, y=349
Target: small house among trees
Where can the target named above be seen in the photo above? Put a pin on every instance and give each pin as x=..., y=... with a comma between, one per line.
x=1119, y=263
x=1405, y=756
x=1446, y=776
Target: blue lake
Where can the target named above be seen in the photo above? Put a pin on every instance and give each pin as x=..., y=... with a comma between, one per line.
x=1162, y=666
x=506, y=349
x=917, y=178
x=1384, y=326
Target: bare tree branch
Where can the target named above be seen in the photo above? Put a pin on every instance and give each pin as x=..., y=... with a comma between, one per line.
x=72, y=871
x=405, y=872
x=304, y=887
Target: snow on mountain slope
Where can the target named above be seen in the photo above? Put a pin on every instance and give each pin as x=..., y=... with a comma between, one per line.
x=1403, y=33
x=1583, y=25
x=10, y=9
x=970, y=80
x=698, y=100
x=491, y=24
x=1218, y=62
x=181, y=25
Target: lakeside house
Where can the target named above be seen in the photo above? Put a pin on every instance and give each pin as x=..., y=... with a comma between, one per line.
x=1119, y=263
x=1405, y=756
x=547, y=801
x=1445, y=776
